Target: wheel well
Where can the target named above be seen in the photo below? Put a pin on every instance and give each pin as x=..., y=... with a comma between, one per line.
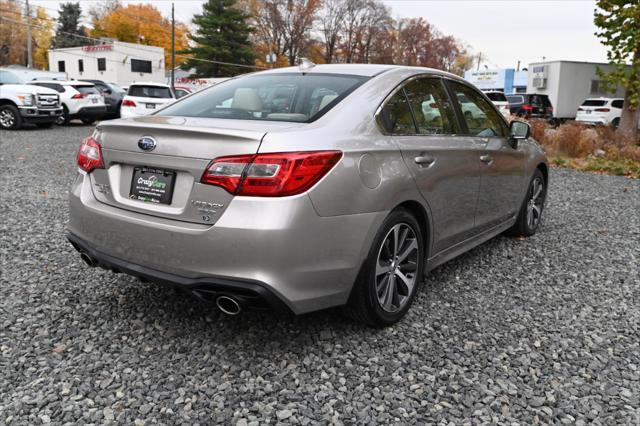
x=545, y=171
x=420, y=214
x=6, y=102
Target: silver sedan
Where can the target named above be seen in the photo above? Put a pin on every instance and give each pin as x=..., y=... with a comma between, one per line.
x=304, y=188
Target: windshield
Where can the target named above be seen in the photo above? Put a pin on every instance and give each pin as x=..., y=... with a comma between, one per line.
x=149, y=92
x=7, y=77
x=274, y=97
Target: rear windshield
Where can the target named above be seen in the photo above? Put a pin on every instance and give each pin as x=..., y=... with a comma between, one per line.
x=496, y=97
x=149, y=92
x=87, y=90
x=273, y=97
x=515, y=99
x=594, y=103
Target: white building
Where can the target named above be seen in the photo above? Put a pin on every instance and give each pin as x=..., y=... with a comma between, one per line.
x=112, y=61
x=568, y=84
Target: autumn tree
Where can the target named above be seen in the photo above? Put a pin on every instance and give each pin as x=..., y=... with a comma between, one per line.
x=69, y=32
x=13, y=37
x=618, y=23
x=222, y=35
x=42, y=35
x=139, y=23
x=331, y=20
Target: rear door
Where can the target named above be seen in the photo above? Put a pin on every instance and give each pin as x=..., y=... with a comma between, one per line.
x=501, y=166
x=421, y=120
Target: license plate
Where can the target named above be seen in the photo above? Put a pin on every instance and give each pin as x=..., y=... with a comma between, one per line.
x=151, y=106
x=152, y=185
x=95, y=101
x=588, y=111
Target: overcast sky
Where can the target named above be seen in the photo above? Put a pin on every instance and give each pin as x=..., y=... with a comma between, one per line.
x=504, y=31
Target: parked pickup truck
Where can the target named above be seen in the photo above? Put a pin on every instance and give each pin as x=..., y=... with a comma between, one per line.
x=24, y=103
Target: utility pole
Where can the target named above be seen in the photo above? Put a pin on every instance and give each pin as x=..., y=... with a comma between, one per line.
x=29, y=55
x=479, y=60
x=173, y=47
x=518, y=68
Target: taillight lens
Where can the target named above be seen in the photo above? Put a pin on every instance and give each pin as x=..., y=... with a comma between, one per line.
x=128, y=103
x=527, y=107
x=602, y=110
x=79, y=96
x=270, y=175
x=90, y=155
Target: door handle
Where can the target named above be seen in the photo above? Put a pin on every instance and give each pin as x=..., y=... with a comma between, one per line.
x=425, y=159
x=486, y=159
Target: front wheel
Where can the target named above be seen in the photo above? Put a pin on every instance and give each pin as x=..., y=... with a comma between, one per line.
x=63, y=119
x=531, y=210
x=389, y=278
x=10, y=118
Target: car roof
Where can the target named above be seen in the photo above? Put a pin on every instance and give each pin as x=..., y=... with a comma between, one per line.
x=64, y=82
x=602, y=98
x=148, y=83
x=365, y=70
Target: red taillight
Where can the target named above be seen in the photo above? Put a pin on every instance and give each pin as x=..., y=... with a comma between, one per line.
x=128, y=103
x=270, y=175
x=79, y=96
x=550, y=108
x=433, y=105
x=527, y=107
x=602, y=110
x=89, y=155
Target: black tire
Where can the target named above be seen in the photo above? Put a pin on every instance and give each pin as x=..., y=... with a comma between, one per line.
x=524, y=226
x=616, y=122
x=364, y=304
x=88, y=120
x=63, y=119
x=45, y=125
x=10, y=118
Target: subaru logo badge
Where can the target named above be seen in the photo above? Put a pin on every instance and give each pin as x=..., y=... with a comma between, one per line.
x=147, y=143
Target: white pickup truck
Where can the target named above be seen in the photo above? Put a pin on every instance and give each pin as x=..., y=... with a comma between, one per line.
x=24, y=103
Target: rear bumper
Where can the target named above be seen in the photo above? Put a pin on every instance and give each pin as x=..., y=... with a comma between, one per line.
x=592, y=120
x=307, y=261
x=91, y=111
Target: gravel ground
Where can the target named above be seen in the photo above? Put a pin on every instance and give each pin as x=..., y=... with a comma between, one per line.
x=542, y=330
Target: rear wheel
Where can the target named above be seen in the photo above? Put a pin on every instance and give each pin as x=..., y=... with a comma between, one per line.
x=10, y=118
x=389, y=278
x=616, y=122
x=531, y=211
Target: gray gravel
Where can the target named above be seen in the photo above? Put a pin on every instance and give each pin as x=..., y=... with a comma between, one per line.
x=543, y=330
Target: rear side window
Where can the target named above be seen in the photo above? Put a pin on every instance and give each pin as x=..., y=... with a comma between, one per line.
x=431, y=108
x=496, y=97
x=149, y=92
x=594, y=103
x=539, y=100
x=293, y=97
x=617, y=103
x=87, y=90
x=396, y=115
x=515, y=99
x=481, y=117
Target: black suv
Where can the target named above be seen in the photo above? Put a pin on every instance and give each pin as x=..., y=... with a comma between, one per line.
x=530, y=105
x=112, y=96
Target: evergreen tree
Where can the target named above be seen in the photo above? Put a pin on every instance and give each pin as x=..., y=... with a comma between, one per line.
x=222, y=34
x=69, y=24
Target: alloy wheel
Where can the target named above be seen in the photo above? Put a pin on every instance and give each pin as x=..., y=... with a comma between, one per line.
x=535, y=203
x=7, y=119
x=396, y=267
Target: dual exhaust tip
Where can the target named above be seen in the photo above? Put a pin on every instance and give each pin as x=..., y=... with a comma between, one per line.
x=226, y=304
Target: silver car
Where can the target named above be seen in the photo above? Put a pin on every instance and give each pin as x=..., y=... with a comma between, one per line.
x=304, y=188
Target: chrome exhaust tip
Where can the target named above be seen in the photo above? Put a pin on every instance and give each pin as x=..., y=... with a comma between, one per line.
x=228, y=305
x=88, y=260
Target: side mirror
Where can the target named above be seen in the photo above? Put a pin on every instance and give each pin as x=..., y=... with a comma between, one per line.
x=519, y=131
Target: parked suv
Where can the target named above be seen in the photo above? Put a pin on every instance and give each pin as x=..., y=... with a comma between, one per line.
x=80, y=100
x=500, y=101
x=145, y=98
x=531, y=105
x=23, y=103
x=605, y=111
x=112, y=96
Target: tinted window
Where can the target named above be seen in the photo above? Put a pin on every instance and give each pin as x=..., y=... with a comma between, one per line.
x=432, y=110
x=80, y=65
x=396, y=115
x=539, y=100
x=594, y=103
x=496, y=97
x=102, y=64
x=515, y=99
x=149, y=92
x=138, y=65
x=617, y=103
x=7, y=77
x=279, y=97
x=61, y=66
x=86, y=90
x=481, y=117
x=57, y=87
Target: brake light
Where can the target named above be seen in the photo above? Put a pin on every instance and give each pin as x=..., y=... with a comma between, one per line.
x=527, y=107
x=128, y=103
x=79, y=96
x=550, y=108
x=89, y=155
x=270, y=175
x=602, y=110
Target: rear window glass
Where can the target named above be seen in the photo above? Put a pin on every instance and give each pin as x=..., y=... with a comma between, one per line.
x=87, y=90
x=497, y=97
x=539, y=100
x=594, y=103
x=273, y=97
x=149, y=92
x=515, y=99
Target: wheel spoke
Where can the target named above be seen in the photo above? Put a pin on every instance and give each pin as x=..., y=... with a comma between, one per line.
x=382, y=269
x=382, y=286
x=530, y=217
x=413, y=245
x=396, y=236
x=388, y=297
x=536, y=211
x=538, y=190
x=408, y=282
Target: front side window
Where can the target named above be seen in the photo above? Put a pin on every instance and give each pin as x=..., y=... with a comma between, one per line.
x=432, y=110
x=61, y=66
x=102, y=64
x=396, y=117
x=141, y=91
x=7, y=77
x=481, y=117
x=138, y=65
x=290, y=97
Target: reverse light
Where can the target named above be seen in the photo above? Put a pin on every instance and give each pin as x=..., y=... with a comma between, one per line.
x=128, y=103
x=89, y=155
x=270, y=175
